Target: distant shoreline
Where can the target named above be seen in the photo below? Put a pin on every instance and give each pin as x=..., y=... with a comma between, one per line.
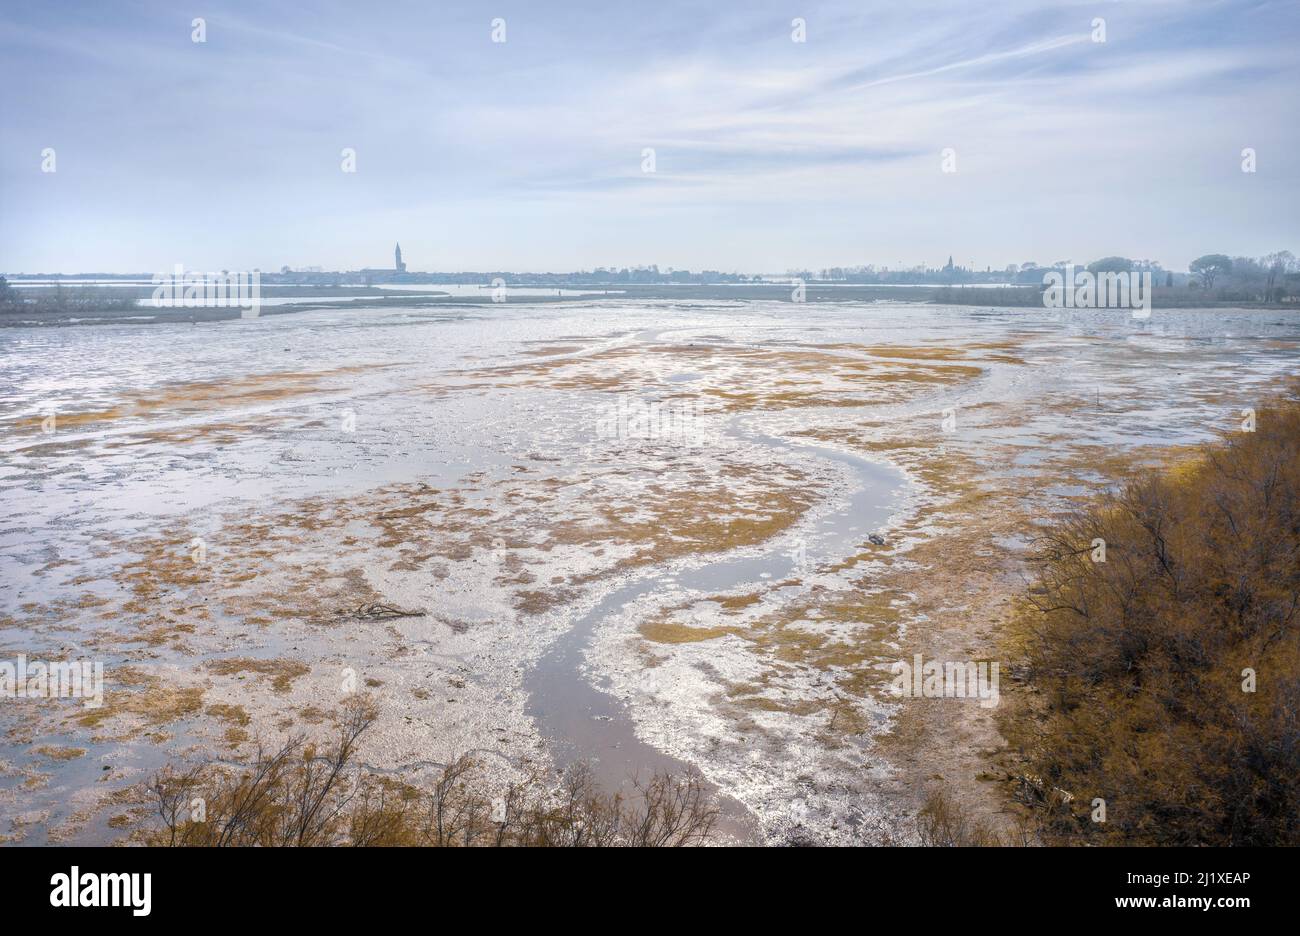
x=83, y=309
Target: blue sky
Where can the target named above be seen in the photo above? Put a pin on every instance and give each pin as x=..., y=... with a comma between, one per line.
x=527, y=154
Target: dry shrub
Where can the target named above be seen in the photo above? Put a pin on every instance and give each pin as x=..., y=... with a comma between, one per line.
x=297, y=795
x=1135, y=664
x=294, y=795
x=943, y=823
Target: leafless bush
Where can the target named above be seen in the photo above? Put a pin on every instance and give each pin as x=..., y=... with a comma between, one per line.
x=294, y=795
x=942, y=823
x=299, y=795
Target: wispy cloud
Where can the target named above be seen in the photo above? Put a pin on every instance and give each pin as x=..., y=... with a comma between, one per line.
x=768, y=152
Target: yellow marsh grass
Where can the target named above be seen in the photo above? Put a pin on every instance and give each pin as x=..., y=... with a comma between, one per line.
x=206, y=395
x=671, y=632
x=157, y=704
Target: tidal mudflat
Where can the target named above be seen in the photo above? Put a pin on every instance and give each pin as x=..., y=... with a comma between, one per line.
x=644, y=534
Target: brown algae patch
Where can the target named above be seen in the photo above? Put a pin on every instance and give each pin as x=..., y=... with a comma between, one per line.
x=772, y=378
x=56, y=753
x=281, y=673
x=552, y=350
x=235, y=715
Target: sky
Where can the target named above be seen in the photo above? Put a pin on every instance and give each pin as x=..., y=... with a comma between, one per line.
x=530, y=154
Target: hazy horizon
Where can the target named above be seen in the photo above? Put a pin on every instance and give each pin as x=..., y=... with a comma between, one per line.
x=528, y=154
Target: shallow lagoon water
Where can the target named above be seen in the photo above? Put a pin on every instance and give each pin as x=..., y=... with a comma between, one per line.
x=381, y=409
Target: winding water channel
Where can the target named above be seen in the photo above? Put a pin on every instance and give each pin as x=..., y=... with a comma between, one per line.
x=580, y=716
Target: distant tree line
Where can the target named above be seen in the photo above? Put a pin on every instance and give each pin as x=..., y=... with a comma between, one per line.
x=1273, y=277
x=1210, y=279
x=58, y=299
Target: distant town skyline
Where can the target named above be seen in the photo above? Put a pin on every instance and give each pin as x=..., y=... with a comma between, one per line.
x=400, y=266
x=730, y=137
